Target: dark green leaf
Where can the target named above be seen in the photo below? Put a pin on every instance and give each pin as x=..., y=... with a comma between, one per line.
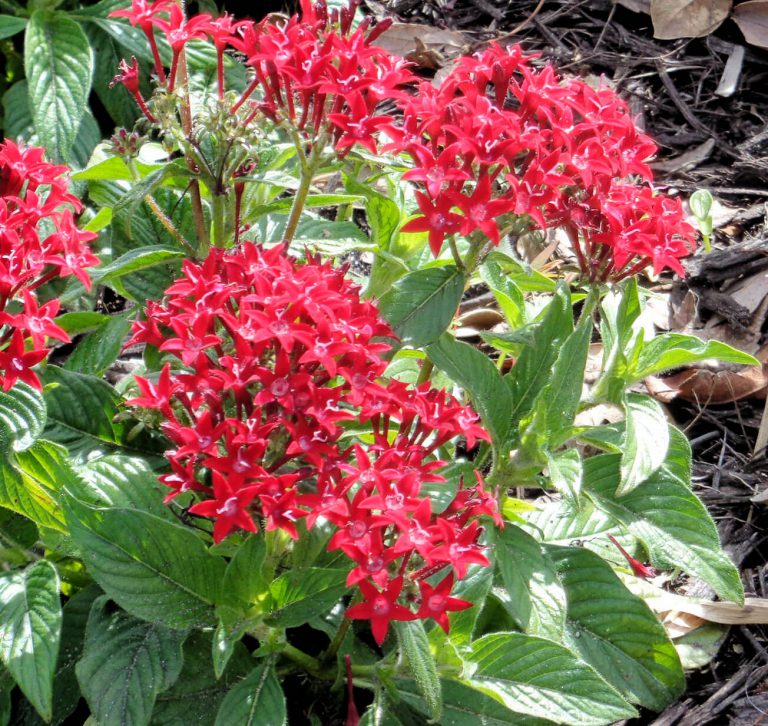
x=126, y=663
x=30, y=627
x=82, y=412
x=413, y=642
x=475, y=372
x=59, y=64
x=196, y=696
x=22, y=417
x=646, y=440
x=539, y=678
x=154, y=569
x=566, y=473
x=136, y=260
x=98, y=350
x=532, y=594
x=77, y=323
x=668, y=519
x=257, y=700
x=244, y=580
x=616, y=632
x=299, y=596
x=10, y=25
x=533, y=369
x=420, y=306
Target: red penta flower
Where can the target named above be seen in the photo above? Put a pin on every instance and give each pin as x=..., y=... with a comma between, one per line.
x=270, y=366
x=436, y=602
x=381, y=608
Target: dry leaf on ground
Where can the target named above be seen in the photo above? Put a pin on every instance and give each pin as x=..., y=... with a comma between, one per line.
x=752, y=19
x=687, y=18
x=424, y=45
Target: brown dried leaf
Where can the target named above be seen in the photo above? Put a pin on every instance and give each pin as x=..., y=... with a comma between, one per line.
x=636, y=6
x=687, y=18
x=424, y=45
x=752, y=19
x=706, y=387
x=678, y=623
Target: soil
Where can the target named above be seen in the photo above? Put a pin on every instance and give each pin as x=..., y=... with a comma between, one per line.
x=706, y=141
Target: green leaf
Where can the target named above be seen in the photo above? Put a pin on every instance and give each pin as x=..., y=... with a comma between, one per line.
x=154, y=569
x=244, y=580
x=420, y=306
x=413, y=642
x=382, y=213
x=30, y=482
x=475, y=372
x=464, y=705
x=533, y=369
x=99, y=350
x=700, y=203
x=474, y=588
x=616, y=632
x=22, y=417
x=137, y=260
x=299, y=596
x=668, y=519
x=76, y=323
x=10, y=25
x=126, y=662
x=563, y=393
x=507, y=294
x=117, y=480
x=532, y=594
x=645, y=443
x=30, y=627
x=566, y=473
x=672, y=350
x=66, y=692
x=257, y=700
x=82, y=412
x=539, y=678
x=102, y=219
x=59, y=64
x=561, y=523
x=197, y=686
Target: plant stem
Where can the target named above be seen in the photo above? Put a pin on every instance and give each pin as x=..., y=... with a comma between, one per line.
x=161, y=216
x=456, y=256
x=307, y=662
x=219, y=222
x=185, y=114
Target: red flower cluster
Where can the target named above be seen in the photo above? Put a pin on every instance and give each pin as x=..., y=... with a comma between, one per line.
x=498, y=137
x=274, y=361
x=39, y=240
x=314, y=72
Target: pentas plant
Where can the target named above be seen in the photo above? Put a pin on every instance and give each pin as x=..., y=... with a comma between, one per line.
x=39, y=241
x=314, y=76
x=501, y=143
x=272, y=360
x=334, y=509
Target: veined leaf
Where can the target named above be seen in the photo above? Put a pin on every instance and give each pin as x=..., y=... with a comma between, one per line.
x=475, y=372
x=615, y=631
x=257, y=700
x=646, y=440
x=125, y=664
x=464, y=705
x=156, y=570
x=197, y=685
x=539, y=678
x=532, y=593
x=22, y=417
x=10, y=25
x=672, y=350
x=30, y=627
x=414, y=644
x=668, y=519
x=59, y=66
x=420, y=306
x=299, y=596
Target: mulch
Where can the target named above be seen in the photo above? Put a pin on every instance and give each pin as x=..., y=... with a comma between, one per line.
x=711, y=124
